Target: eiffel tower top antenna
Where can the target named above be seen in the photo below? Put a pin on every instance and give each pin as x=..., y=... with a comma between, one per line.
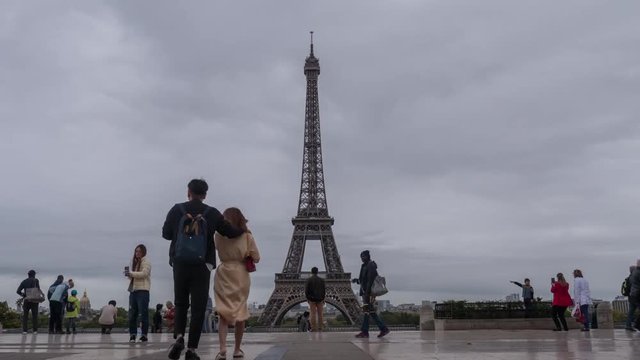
x=311, y=32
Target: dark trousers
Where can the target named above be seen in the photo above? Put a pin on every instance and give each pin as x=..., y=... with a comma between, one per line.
x=71, y=324
x=528, y=305
x=557, y=314
x=190, y=280
x=138, y=311
x=55, y=316
x=106, y=329
x=631, y=316
x=585, y=312
x=370, y=311
x=27, y=307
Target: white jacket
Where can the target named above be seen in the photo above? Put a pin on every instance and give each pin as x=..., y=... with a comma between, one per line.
x=142, y=278
x=581, y=292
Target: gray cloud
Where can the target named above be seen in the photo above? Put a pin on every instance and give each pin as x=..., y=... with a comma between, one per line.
x=465, y=144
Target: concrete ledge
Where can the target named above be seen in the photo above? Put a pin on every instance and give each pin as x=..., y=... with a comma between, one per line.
x=500, y=324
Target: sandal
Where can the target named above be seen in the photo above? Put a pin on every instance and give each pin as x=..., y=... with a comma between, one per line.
x=221, y=356
x=238, y=355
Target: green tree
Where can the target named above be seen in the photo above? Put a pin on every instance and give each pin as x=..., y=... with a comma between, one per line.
x=9, y=317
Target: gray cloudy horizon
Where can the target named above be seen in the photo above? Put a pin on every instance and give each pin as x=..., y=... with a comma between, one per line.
x=465, y=144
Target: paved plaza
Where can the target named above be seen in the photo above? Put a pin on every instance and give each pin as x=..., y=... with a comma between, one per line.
x=449, y=345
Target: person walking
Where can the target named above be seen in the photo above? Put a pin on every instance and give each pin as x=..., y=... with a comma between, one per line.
x=561, y=301
x=139, y=285
x=72, y=310
x=527, y=296
x=108, y=315
x=231, y=282
x=315, y=293
x=29, y=306
x=192, y=265
x=368, y=272
x=633, y=323
x=582, y=296
x=57, y=295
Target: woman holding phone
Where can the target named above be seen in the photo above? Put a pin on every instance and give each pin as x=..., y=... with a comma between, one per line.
x=561, y=301
x=139, y=286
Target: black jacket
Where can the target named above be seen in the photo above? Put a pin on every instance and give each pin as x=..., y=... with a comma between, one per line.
x=215, y=222
x=27, y=283
x=314, y=290
x=634, y=294
x=368, y=272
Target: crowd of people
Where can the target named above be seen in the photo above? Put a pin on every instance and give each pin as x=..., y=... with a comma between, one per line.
x=190, y=227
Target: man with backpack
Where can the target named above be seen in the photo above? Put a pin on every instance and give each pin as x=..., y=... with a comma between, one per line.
x=190, y=227
x=633, y=296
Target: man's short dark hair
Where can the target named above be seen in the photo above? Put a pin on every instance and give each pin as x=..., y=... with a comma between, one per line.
x=198, y=187
x=112, y=302
x=314, y=270
x=31, y=273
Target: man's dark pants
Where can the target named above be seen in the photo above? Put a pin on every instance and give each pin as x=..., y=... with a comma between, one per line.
x=528, y=306
x=32, y=307
x=190, y=280
x=55, y=316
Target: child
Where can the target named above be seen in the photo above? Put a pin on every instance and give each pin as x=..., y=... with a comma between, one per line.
x=73, y=308
x=303, y=326
x=170, y=316
x=108, y=317
x=157, y=320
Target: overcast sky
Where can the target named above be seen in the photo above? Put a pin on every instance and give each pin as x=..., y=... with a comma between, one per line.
x=465, y=144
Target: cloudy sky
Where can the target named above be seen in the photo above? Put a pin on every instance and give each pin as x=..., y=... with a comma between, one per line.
x=465, y=144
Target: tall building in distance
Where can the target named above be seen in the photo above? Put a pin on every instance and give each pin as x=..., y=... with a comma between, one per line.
x=312, y=223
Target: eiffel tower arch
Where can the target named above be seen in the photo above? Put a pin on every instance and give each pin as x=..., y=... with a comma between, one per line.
x=312, y=223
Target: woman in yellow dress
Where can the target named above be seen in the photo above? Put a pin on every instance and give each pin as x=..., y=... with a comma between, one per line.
x=232, y=281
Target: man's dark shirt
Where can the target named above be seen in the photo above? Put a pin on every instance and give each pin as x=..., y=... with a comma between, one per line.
x=215, y=222
x=315, y=289
x=368, y=272
x=27, y=283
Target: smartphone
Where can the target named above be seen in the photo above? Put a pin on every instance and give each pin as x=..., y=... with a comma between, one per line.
x=553, y=280
x=126, y=270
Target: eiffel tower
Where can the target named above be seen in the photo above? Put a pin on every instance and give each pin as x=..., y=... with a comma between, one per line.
x=312, y=223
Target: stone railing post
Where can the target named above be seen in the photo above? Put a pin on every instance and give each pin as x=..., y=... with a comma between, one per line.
x=604, y=314
x=426, y=317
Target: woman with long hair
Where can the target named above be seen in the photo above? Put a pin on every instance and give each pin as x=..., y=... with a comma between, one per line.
x=232, y=282
x=561, y=301
x=139, y=286
x=582, y=296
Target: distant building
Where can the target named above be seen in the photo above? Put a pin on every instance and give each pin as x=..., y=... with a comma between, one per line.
x=85, y=305
x=513, y=298
x=384, y=305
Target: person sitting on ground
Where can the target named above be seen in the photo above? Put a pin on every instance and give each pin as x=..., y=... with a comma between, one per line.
x=303, y=326
x=108, y=315
x=156, y=327
x=169, y=316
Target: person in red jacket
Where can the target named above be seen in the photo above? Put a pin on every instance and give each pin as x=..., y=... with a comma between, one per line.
x=561, y=301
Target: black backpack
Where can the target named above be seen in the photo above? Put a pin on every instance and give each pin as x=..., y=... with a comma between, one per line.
x=71, y=306
x=192, y=239
x=625, y=289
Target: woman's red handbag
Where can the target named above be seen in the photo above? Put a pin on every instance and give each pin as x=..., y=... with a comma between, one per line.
x=249, y=264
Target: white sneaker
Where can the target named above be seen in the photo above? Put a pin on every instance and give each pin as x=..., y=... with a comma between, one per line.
x=35, y=333
x=24, y=333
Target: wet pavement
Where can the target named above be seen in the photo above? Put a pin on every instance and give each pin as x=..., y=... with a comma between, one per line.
x=448, y=345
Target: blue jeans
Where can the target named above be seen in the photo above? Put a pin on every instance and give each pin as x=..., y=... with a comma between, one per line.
x=139, y=307
x=584, y=309
x=632, y=312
